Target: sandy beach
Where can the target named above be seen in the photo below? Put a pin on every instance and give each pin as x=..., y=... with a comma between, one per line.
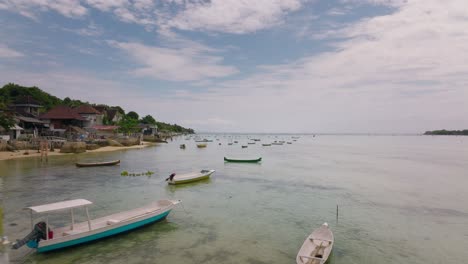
x=7, y=155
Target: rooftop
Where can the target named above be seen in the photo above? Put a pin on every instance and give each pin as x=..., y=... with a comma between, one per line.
x=61, y=112
x=59, y=206
x=86, y=109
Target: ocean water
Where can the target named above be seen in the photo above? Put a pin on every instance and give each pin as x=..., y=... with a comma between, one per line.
x=400, y=199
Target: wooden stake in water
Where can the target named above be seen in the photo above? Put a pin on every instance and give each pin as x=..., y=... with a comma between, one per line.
x=337, y=214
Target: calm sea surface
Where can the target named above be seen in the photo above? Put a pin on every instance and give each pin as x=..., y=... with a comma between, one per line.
x=402, y=199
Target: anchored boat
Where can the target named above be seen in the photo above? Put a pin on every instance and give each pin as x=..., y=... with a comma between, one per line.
x=243, y=160
x=94, y=164
x=317, y=247
x=191, y=177
x=201, y=145
x=45, y=238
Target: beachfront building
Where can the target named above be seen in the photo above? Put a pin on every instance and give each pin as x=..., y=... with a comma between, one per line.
x=114, y=116
x=91, y=116
x=61, y=117
x=26, y=110
x=148, y=130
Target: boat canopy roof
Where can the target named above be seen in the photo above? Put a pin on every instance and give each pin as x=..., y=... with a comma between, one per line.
x=59, y=206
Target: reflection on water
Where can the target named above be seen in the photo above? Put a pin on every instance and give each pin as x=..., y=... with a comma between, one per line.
x=398, y=198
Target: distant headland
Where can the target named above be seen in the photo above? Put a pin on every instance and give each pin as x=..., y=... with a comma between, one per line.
x=444, y=132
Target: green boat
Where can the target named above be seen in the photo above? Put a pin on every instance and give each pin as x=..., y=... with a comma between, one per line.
x=242, y=160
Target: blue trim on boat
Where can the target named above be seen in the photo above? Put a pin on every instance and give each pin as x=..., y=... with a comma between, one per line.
x=104, y=234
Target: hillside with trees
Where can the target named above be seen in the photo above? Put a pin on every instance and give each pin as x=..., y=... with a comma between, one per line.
x=10, y=92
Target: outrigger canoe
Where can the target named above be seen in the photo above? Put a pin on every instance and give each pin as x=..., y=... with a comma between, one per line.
x=317, y=247
x=89, y=230
x=191, y=177
x=242, y=160
x=94, y=164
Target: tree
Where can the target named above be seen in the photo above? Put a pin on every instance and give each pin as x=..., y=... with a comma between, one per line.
x=128, y=125
x=148, y=120
x=6, y=118
x=133, y=115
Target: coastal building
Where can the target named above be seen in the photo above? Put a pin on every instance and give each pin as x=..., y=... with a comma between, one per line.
x=61, y=117
x=26, y=111
x=91, y=116
x=148, y=130
x=114, y=116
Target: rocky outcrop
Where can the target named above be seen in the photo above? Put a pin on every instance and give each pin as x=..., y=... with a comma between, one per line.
x=114, y=143
x=73, y=147
x=131, y=141
x=92, y=146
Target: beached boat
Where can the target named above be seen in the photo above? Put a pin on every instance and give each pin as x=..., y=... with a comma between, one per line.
x=317, y=247
x=90, y=230
x=266, y=145
x=191, y=177
x=243, y=160
x=94, y=164
x=201, y=145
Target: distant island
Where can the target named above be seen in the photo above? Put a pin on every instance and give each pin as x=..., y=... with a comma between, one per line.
x=444, y=132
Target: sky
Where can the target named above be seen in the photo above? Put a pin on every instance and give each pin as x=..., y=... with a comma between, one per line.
x=267, y=66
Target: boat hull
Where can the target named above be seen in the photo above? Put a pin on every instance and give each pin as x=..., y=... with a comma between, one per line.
x=243, y=161
x=110, y=163
x=102, y=232
x=202, y=177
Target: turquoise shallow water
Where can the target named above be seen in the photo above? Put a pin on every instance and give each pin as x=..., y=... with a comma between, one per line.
x=402, y=199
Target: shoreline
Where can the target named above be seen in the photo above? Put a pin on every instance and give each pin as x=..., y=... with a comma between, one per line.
x=7, y=155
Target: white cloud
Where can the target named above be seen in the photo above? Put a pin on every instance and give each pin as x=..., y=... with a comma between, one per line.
x=187, y=63
x=30, y=8
x=231, y=16
x=9, y=53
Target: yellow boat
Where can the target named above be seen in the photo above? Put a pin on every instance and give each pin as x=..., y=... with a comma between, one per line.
x=201, y=145
x=191, y=177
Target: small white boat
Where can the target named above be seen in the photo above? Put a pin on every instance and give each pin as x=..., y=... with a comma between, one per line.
x=317, y=247
x=191, y=177
x=90, y=230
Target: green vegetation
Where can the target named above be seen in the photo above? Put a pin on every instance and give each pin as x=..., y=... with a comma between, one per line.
x=6, y=117
x=128, y=125
x=10, y=92
x=448, y=132
x=126, y=173
x=133, y=115
x=148, y=120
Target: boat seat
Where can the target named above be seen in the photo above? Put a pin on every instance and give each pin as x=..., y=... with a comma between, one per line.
x=112, y=221
x=71, y=232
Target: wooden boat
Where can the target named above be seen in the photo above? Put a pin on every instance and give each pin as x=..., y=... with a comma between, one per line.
x=191, y=177
x=201, y=145
x=94, y=164
x=242, y=160
x=266, y=145
x=182, y=146
x=90, y=230
x=317, y=247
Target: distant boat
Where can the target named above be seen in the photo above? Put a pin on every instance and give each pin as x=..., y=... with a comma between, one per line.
x=266, y=145
x=90, y=230
x=277, y=143
x=229, y=143
x=317, y=247
x=204, y=140
x=201, y=145
x=295, y=137
x=236, y=142
x=288, y=142
x=244, y=146
x=243, y=160
x=94, y=164
x=191, y=177
x=251, y=143
x=182, y=146
x=256, y=139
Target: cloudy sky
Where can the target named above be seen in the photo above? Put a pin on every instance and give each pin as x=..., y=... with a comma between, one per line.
x=359, y=66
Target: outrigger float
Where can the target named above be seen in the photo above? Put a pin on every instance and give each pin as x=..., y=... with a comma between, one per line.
x=44, y=238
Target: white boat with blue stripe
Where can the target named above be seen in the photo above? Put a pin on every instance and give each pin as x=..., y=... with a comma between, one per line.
x=90, y=230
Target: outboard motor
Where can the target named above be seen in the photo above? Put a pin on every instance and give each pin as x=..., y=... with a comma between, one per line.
x=33, y=238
